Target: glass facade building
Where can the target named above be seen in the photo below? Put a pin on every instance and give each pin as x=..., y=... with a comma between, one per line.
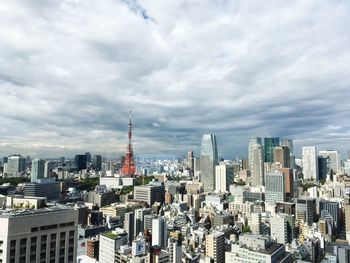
x=209, y=159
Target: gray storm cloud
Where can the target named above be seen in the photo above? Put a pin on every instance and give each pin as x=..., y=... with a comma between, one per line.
x=70, y=70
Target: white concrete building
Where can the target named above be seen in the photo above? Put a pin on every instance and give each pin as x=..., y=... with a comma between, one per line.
x=223, y=177
x=310, y=167
x=43, y=235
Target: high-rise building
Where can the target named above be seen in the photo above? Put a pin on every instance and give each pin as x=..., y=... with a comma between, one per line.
x=334, y=159
x=129, y=221
x=289, y=143
x=281, y=155
x=269, y=145
x=175, y=251
x=15, y=165
x=323, y=167
x=139, y=219
x=38, y=170
x=159, y=233
x=252, y=144
x=223, y=177
x=80, y=161
x=97, y=162
x=209, y=159
x=190, y=160
x=215, y=246
x=275, y=190
x=48, y=169
x=110, y=242
x=289, y=187
x=150, y=193
x=43, y=235
x=283, y=228
x=88, y=157
x=310, y=167
x=257, y=165
x=330, y=211
x=48, y=188
x=305, y=210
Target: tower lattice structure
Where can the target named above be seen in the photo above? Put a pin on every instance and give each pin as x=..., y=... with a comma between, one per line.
x=129, y=168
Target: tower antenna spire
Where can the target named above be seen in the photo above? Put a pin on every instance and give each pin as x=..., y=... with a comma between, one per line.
x=128, y=168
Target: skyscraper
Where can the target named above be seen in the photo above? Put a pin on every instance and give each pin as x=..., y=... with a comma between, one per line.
x=38, y=170
x=334, y=159
x=323, y=167
x=257, y=165
x=15, y=165
x=209, y=159
x=159, y=233
x=275, y=190
x=223, y=177
x=215, y=246
x=289, y=143
x=97, y=162
x=310, y=167
x=252, y=143
x=129, y=222
x=80, y=161
x=282, y=156
x=269, y=145
x=190, y=160
x=139, y=219
x=305, y=210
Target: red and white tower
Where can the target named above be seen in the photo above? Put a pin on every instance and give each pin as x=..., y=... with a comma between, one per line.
x=129, y=168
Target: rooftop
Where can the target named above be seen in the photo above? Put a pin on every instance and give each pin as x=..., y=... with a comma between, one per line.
x=110, y=234
x=31, y=212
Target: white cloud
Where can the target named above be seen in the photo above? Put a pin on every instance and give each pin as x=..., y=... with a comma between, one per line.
x=69, y=71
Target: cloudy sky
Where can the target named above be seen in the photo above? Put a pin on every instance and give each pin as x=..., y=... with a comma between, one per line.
x=70, y=70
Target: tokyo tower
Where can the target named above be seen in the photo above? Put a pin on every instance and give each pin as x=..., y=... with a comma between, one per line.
x=129, y=168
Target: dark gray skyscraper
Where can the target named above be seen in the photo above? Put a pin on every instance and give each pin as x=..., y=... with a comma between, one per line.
x=209, y=159
x=269, y=145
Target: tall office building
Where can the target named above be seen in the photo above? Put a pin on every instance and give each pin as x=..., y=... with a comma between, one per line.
x=323, y=167
x=269, y=145
x=190, y=160
x=223, y=177
x=110, y=242
x=215, y=246
x=288, y=175
x=150, y=193
x=289, y=143
x=97, y=162
x=330, y=211
x=48, y=169
x=251, y=145
x=334, y=159
x=281, y=155
x=43, y=235
x=175, y=251
x=159, y=233
x=139, y=219
x=80, y=161
x=275, y=190
x=15, y=165
x=305, y=210
x=310, y=167
x=38, y=170
x=283, y=228
x=209, y=159
x=257, y=165
x=129, y=221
